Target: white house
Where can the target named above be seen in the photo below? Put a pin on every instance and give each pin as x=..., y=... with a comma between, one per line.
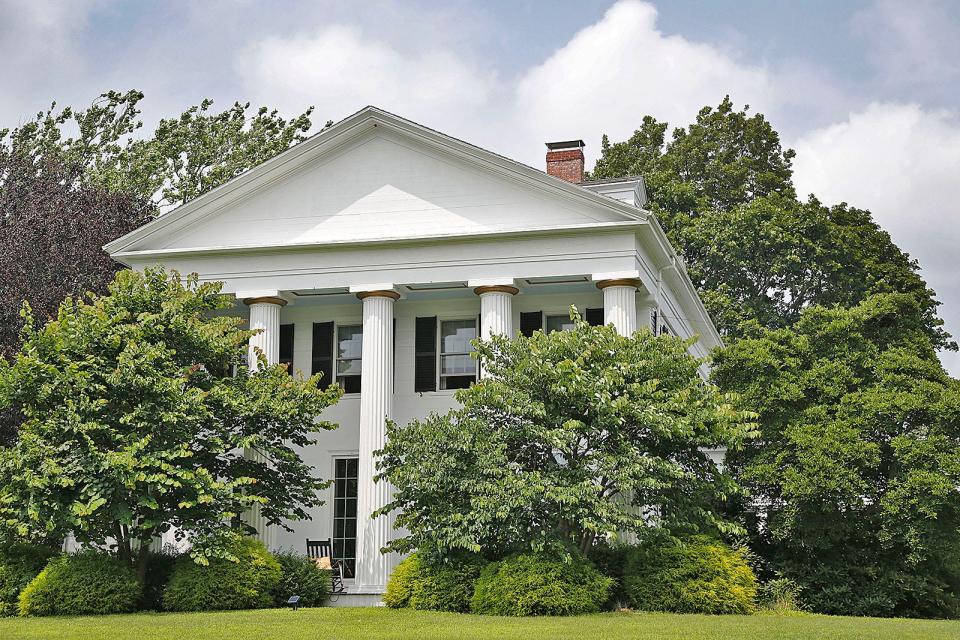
x=377, y=249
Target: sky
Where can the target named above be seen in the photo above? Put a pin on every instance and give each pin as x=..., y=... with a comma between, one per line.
x=867, y=92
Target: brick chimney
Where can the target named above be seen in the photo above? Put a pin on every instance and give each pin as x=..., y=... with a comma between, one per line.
x=565, y=160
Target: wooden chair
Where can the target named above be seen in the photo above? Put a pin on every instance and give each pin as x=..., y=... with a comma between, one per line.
x=324, y=549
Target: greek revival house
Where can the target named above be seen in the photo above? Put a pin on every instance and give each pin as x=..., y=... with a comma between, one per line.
x=376, y=250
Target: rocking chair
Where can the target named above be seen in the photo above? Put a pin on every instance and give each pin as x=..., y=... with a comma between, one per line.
x=318, y=550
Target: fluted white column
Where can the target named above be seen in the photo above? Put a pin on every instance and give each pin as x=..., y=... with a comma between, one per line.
x=376, y=407
x=496, y=312
x=265, y=317
x=620, y=304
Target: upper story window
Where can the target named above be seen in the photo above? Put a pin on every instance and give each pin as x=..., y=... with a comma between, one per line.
x=349, y=357
x=458, y=368
x=559, y=323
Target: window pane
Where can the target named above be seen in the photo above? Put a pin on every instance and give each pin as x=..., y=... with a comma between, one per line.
x=457, y=382
x=455, y=335
x=457, y=365
x=560, y=323
x=348, y=367
x=350, y=384
x=349, y=341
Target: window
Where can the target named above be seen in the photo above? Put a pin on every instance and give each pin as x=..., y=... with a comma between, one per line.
x=345, y=513
x=458, y=368
x=286, y=346
x=559, y=323
x=349, y=353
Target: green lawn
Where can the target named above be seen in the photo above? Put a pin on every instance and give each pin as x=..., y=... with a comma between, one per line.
x=385, y=624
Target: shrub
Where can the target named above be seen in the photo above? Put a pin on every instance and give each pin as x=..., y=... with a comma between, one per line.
x=299, y=575
x=426, y=582
x=247, y=584
x=532, y=584
x=90, y=582
x=159, y=569
x=19, y=564
x=780, y=595
x=702, y=575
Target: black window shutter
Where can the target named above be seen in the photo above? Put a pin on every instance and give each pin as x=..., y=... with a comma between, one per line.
x=286, y=346
x=425, y=355
x=531, y=321
x=594, y=317
x=322, y=355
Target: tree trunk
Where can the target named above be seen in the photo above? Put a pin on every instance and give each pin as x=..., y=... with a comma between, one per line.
x=143, y=555
x=586, y=543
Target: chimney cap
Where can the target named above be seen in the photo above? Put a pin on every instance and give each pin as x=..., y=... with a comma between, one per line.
x=566, y=144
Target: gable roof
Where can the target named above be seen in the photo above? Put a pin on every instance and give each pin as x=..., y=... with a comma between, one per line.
x=334, y=138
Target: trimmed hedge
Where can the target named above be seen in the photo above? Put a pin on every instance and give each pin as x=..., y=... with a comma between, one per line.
x=302, y=577
x=702, y=575
x=538, y=585
x=19, y=564
x=222, y=584
x=429, y=584
x=89, y=582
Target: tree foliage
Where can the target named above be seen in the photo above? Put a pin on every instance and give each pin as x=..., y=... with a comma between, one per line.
x=135, y=423
x=854, y=477
x=72, y=180
x=570, y=435
x=722, y=187
x=182, y=158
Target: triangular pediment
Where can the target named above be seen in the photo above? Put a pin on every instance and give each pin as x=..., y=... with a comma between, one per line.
x=380, y=182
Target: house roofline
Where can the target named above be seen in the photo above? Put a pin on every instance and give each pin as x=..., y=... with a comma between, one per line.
x=358, y=123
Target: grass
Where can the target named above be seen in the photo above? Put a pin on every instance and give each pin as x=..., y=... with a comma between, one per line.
x=386, y=624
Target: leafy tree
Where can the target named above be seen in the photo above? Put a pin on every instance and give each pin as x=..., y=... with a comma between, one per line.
x=183, y=158
x=722, y=187
x=135, y=423
x=854, y=478
x=724, y=159
x=73, y=180
x=771, y=258
x=573, y=433
x=52, y=230
x=200, y=150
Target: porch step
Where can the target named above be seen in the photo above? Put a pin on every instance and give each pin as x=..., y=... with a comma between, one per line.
x=357, y=600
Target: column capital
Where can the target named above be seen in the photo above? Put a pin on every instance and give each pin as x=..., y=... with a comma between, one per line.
x=619, y=282
x=496, y=288
x=277, y=300
x=379, y=293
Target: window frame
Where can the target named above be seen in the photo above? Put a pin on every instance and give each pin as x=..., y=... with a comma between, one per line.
x=336, y=355
x=441, y=353
x=349, y=570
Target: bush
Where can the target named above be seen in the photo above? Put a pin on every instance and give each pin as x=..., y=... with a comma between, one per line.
x=532, y=585
x=423, y=581
x=701, y=575
x=299, y=575
x=222, y=584
x=19, y=564
x=780, y=595
x=89, y=582
x=159, y=569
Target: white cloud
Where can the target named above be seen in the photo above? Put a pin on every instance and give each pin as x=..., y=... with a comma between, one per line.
x=340, y=69
x=910, y=43
x=602, y=81
x=623, y=67
x=901, y=162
